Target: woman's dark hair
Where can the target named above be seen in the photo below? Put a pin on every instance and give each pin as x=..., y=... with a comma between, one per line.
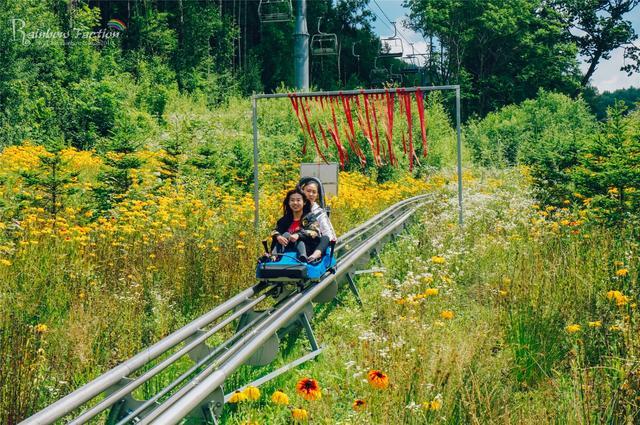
x=314, y=181
x=286, y=209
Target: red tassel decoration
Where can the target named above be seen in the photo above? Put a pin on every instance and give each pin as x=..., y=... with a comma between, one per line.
x=420, y=103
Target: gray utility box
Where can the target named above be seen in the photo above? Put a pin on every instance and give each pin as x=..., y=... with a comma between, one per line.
x=326, y=173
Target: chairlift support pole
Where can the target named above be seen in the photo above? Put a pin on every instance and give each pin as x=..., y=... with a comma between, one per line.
x=301, y=47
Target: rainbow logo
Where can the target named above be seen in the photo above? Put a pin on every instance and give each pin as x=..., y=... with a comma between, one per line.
x=116, y=24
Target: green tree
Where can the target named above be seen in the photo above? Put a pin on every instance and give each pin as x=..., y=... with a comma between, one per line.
x=545, y=134
x=607, y=172
x=600, y=102
x=501, y=52
x=598, y=27
x=51, y=183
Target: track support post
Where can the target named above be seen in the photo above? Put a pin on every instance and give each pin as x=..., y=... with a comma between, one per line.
x=354, y=288
x=309, y=331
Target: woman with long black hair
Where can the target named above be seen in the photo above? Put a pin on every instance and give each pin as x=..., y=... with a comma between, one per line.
x=298, y=229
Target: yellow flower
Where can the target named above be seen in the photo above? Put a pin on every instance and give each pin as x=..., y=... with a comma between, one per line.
x=309, y=389
x=622, y=272
x=622, y=300
x=252, y=393
x=431, y=292
x=359, y=404
x=378, y=379
x=573, y=328
x=595, y=324
x=506, y=281
x=435, y=405
x=619, y=298
x=618, y=263
x=5, y=262
x=378, y=274
x=299, y=414
x=41, y=328
x=250, y=422
x=447, y=314
x=237, y=397
x=436, y=259
x=503, y=293
x=611, y=295
x=279, y=397
x=615, y=328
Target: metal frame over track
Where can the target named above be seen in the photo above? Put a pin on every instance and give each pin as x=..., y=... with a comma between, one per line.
x=198, y=392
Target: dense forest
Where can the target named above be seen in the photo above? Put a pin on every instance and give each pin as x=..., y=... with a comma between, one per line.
x=71, y=89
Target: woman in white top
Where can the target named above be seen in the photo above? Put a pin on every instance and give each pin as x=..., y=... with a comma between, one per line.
x=311, y=189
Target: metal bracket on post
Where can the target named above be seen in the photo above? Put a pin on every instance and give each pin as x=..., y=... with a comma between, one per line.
x=200, y=351
x=210, y=409
x=328, y=294
x=354, y=288
x=123, y=407
x=268, y=351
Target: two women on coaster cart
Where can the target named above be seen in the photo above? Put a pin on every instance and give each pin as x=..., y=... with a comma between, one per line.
x=304, y=232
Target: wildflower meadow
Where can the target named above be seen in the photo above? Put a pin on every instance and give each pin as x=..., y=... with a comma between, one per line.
x=127, y=205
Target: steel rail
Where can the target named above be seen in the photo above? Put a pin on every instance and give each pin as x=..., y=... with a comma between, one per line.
x=114, y=376
x=203, y=386
x=175, y=398
x=370, y=224
x=378, y=216
x=212, y=355
x=90, y=390
x=127, y=389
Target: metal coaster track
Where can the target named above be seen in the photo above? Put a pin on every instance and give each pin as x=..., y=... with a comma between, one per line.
x=255, y=341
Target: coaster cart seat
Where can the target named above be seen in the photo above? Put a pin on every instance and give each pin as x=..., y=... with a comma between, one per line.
x=287, y=268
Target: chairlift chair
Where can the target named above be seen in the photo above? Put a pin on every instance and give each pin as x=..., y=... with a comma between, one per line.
x=379, y=75
x=391, y=47
x=275, y=11
x=353, y=51
x=324, y=44
x=411, y=60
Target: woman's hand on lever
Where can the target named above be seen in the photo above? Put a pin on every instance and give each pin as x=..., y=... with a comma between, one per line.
x=282, y=240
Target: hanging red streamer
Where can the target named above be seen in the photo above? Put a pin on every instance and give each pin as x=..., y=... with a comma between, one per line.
x=311, y=130
x=375, y=147
x=407, y=109
x=365, y=130
x=351, y=135
x=390, y=97
x=295, y=104
x=375, y=122
x=335, y=134
x=420, y=102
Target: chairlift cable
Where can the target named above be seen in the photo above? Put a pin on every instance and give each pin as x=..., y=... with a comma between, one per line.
x=400, y=33
x=390, y=21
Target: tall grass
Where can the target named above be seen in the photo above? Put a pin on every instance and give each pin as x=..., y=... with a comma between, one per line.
x=517, y=280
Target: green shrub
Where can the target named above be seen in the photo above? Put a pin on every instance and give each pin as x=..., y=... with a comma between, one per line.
x=607, y=176
x=545, y=133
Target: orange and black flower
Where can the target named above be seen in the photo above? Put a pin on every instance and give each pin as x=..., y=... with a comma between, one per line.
x=378, y=379
x=309, y=389
x=359, y=405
